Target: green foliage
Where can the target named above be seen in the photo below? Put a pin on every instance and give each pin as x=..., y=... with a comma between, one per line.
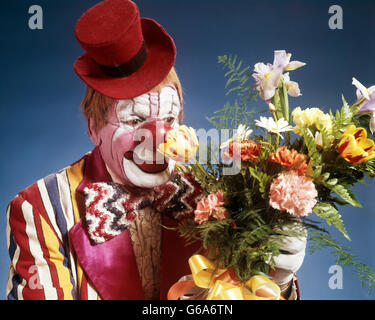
x=250, y=251
x=232, y=115
x=363, y=121
x=343, y=192
x=281, y=102
x=315, y=157
x=237, y=78
x=343, y=119
x=369, y=168
x=263, y=179
x=330, y=214
x=326, y=139
x=320, y=240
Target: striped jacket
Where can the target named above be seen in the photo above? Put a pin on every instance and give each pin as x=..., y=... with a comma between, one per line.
x=50, y=254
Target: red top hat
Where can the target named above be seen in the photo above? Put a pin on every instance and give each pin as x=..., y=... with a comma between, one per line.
x=125, y=56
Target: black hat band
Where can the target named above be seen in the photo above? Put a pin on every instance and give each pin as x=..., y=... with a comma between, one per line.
x=127, y=68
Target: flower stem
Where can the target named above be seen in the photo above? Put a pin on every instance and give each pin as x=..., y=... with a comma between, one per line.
x=285, y=106
x=276, y=102
x=274, y=116
x=285, y=102
x=287, y=139
x=277, y=141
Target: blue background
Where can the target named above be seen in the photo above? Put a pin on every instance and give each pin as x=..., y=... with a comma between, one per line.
x=42, y=129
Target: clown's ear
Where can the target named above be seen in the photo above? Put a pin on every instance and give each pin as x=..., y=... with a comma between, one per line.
x=92, y=132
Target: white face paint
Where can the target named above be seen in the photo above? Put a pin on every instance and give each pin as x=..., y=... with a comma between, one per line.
x=141, y=165
x=169, y=106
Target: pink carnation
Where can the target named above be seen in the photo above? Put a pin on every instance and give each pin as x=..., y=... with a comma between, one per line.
x=211, y=206
x=294, y=193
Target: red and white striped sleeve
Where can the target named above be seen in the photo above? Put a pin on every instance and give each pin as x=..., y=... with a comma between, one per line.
x=37, y=270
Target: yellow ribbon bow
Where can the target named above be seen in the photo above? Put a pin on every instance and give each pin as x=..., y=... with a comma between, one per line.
x=223, y=284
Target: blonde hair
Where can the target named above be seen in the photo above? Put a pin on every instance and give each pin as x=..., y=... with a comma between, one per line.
x=95, y=105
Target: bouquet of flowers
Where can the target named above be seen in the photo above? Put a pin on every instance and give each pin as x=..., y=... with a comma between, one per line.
x=285, y=168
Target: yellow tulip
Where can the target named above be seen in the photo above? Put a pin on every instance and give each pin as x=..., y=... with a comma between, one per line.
x=180, y=144
x=354, y=146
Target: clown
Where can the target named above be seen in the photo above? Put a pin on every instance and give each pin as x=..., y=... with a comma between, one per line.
x=94, y=229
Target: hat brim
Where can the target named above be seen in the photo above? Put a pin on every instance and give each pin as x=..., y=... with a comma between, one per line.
x=161, y=54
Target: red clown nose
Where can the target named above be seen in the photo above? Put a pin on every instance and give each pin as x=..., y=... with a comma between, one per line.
x=147, y=139
x=157, y=129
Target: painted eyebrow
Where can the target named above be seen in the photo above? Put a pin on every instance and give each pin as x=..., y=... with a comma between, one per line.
x=129, y=109
x=140, y=114
x=169, y=113
x=174, y=109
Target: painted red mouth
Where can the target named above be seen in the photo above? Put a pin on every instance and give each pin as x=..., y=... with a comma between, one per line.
x=144, y=166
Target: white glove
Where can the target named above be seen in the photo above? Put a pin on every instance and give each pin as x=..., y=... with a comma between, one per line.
x=288, y=263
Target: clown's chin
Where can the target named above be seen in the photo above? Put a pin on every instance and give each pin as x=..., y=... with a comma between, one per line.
x=147, y=175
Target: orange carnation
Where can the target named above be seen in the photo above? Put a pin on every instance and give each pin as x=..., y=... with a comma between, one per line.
x=248, y=150
x=289, y=158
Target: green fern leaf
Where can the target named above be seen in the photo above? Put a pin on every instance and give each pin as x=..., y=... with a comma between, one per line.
x=263, y=180
x=320, y=240
x=343, y=193
x=330, y=214
x=343, y=119
x=314, y=155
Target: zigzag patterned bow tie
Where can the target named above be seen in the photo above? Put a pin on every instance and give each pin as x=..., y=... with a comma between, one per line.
x=112, y=207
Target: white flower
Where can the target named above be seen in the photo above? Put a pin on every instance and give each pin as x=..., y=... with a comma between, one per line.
x=372, y=123
x=291, y=86
x=267, y=76
x=368, y=106
x=362, y=91
x=271, y=107
x=282, y=61
x=242, y=133
x=267, y=79
x=318, y=138
x=272, y=126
